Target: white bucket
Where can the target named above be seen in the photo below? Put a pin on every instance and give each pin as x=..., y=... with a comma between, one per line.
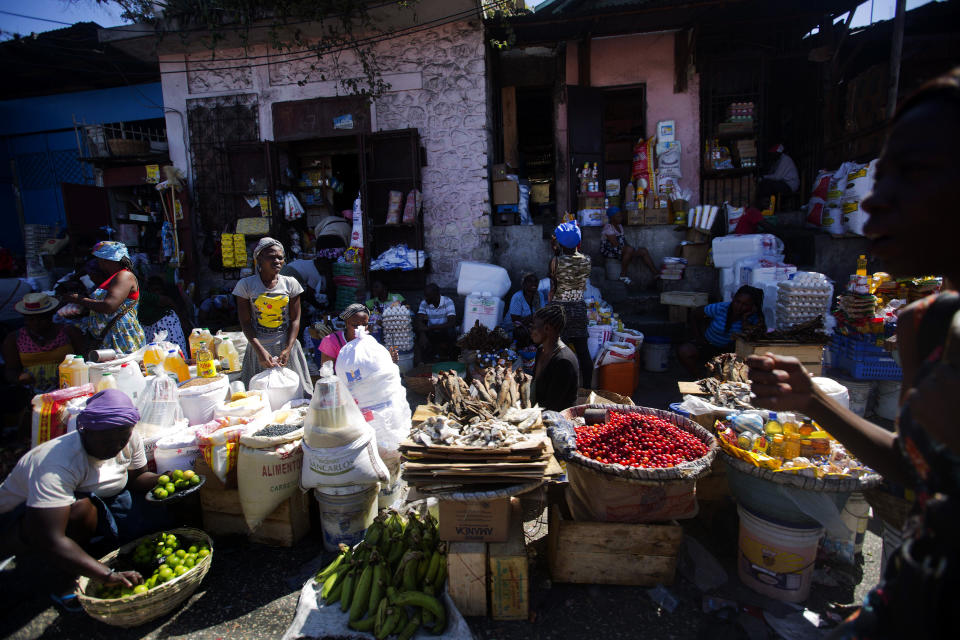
x=859, y=391
x=344, y=519
x=405, y=361
x=597, y=335
x=656, y=356
x=776, y=560
x=888, y=399
x=856, y=515
x=613, y=269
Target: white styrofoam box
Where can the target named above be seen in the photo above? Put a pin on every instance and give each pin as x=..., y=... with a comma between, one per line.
x=484, y=307
x=728, y=249
x=474, y=277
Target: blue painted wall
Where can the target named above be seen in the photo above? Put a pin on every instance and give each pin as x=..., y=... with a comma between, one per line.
x=37, y=133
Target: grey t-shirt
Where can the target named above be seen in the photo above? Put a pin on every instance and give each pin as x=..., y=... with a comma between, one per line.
x=269, y=308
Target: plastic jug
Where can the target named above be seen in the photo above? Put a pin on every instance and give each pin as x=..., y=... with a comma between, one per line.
x=107, y=381
x=64, y=371
x=205, y=366
x=229, y=356
x=79, y=372
x=210, y=340
x=196, y=336
x=130, y=380
x=175, y=365
x=153, y=356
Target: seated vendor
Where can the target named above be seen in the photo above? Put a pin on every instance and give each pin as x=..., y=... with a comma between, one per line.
x=715, y=325
x=33, y=353
x=556, y=372
x=313, y=277
x=379, y=298
x=86, y=487
x=435, y=325
x=523, y=304
x=613, y=244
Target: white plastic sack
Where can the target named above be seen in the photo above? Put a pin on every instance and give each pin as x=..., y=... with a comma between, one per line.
x=198, y=401
x=252, y=407
x=360, y=360
x=616, y=353
x=159, y=407
x=178, y=450
x=480, y=276
x=333, y=418
x=340, y=470
x=280, y=384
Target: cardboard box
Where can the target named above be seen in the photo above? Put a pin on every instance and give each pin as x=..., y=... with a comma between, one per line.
x=809, y=355
x=696, y=254
x=656, y=216
x=509, y=571
x=474, y=521
x=591, y=202
x=697, y=235
x=540, y=192
x=684, y=298
x=634, y=217
x=467, y=576
x=506, y=192
x=500, y=171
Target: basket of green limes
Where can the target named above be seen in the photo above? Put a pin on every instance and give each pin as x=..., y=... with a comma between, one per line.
x=172, y=563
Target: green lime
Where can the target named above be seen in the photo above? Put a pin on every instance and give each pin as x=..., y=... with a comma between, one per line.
x=180, y=570
x=160, y=493
x=164, y=479
x=177, y=474
x=194, y=480
x=170, y=487
x=141, y=588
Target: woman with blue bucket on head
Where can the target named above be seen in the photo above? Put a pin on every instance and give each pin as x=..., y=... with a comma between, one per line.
x=113, y=322
x=913, y=228
x=569, y=271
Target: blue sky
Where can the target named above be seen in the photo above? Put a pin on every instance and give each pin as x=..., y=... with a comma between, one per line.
x=108, y=15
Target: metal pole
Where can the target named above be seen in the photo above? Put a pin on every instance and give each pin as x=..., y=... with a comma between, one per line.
x=896, y=49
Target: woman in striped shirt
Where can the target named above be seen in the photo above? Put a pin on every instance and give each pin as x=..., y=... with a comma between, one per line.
x=715, y=325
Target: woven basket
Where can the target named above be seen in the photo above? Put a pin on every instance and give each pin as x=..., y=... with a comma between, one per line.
x=131, y=611
x=827, y=485
x=415, y=381
x=888, y=507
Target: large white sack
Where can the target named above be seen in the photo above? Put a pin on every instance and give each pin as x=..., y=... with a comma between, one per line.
x=198, y=400
x=177, y=450
x=268, y=472
x=340, y=470
x=280, y=384
x=254, y=406
x=159, y=407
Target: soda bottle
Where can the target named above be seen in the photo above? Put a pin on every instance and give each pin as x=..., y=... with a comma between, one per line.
x=205, y=366
x=64, y=370
x=229, y=356
x=175, y=365
x=79, y=372
x=107, y=381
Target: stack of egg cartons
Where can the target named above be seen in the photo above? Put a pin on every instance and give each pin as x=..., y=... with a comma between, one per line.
x=397, y=324
x=803, y=297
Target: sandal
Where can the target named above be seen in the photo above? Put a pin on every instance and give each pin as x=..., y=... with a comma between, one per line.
x=626, y=280
x=67, y=603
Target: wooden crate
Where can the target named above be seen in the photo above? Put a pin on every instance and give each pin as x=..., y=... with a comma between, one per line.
x=223, y=515
x=467, y=576
x=811, y=355
x=684, y=298
x=510, y=572
x=612, y=552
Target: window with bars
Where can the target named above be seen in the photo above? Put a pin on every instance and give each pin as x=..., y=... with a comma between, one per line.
x=215, y=124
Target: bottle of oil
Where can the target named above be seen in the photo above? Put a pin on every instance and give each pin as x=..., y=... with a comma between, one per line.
x=107, y=381
x=862, y=265
x=64, y=371
x=79, y=372
x=194, y=340
x=175, y=365
x=229, y=356
x=205, y=365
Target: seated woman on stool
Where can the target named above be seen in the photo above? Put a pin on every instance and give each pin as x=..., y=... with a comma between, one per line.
x=614, y=245
x=83, y=488
x=715, y=325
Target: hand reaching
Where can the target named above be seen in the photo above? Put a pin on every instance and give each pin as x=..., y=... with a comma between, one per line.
x=779, y=382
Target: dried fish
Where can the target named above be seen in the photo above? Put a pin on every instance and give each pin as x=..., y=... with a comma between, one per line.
x=494, y=433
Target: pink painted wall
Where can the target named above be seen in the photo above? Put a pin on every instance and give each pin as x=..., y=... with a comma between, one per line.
x=648, y=59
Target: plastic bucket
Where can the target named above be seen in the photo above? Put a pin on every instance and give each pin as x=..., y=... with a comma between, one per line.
x=774, y=559
x=656, y=354
x=675, y=407
x=859, y=391
x=617, y=377
x=405, y=361
x=834, y=390
x=888, y=399
x=344, y=519
x=856, y=515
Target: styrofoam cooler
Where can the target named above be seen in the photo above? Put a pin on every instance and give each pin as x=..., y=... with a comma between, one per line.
x=480, y=276
x=728, y=249
x=484, y=307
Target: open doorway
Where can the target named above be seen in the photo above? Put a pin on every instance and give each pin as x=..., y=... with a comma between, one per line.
x=624, y=123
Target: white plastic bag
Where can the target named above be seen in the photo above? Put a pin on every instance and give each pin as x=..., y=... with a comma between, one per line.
x=177, y=450
x=199, y=399
x=615, y=353
x=251, y=407
x=360, y=360
x=280, y=384
x=159, y=407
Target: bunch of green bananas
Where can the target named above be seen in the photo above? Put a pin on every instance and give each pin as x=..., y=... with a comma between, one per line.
x=391, y=580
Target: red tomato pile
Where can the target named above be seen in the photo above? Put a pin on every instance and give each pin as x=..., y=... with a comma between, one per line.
x=639, y=440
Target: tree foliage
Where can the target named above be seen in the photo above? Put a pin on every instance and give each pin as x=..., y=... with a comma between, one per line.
x=287, y=27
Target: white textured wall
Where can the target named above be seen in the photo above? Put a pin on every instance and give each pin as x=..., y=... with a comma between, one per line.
x=438, y=86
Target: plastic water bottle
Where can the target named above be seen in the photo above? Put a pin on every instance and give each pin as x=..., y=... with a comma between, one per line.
x=130, y=381
x=107, y=381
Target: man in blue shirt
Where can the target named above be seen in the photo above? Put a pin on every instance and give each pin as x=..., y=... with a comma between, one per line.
x=523, y=304
x=716, y=324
